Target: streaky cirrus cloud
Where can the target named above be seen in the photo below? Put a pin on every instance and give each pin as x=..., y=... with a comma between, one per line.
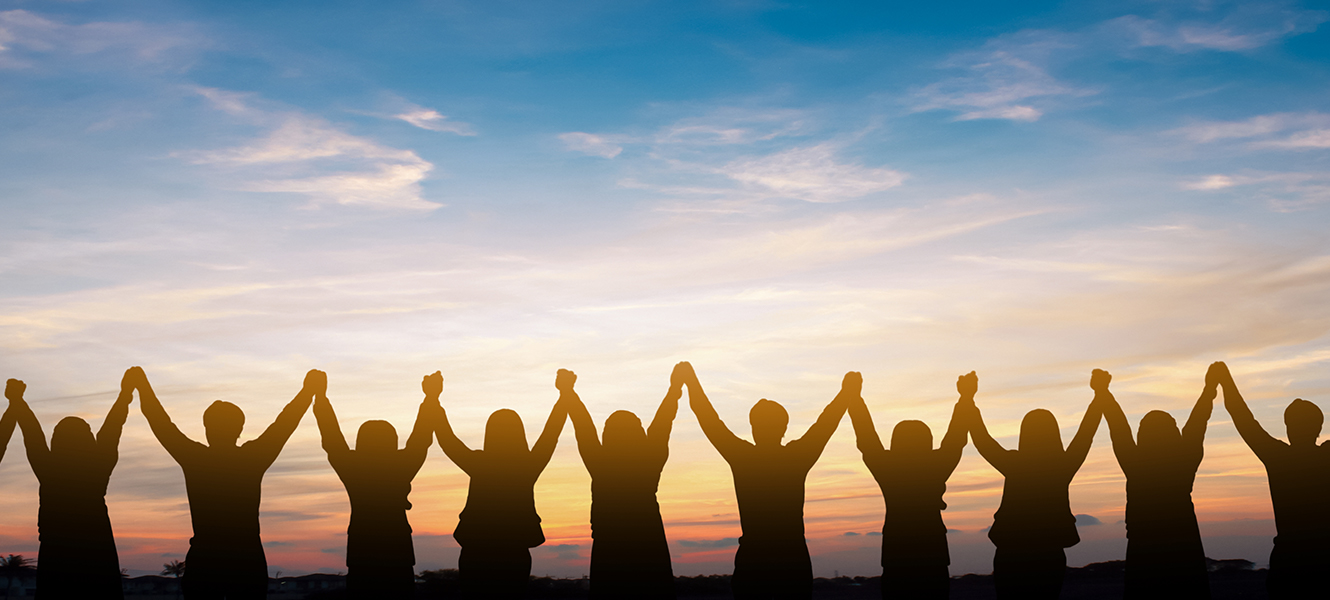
x=591, y=144
x=812, y=173
x=26, y=37
x=428, y=118
x=1290, y=131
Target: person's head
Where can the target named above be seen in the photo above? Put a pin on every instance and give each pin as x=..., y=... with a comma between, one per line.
x=623, y=431
x=72, y=439
x=1039, y=433
x=1304, y=421
x=1158, y=431
x=911, y=437
x=222, y=423
x=769, y=421
x=376, y=437
x=504, y=433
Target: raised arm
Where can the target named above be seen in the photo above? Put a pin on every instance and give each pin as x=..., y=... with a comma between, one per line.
x=457, y=451
x=330, y=432
x=269, y=444
x=422, y=433
x=989, y=448
x=720, y=436
x=168, y=435
x=1248, y=427
x=6, y=431
x=1079, y=447
x=108, y=437
x=588, y=442
x=953, y=443
x=1193, y=433
x=817, y=436
x=1124, y=447
x=34, y=440
x=663, y=423
x=865, y=433
x=543, y=450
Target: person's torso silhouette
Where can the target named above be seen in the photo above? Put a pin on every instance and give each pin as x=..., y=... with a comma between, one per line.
x=377, y=475
x=772, y=560
x=630, y=556
x=224, y=483
x=77, y=557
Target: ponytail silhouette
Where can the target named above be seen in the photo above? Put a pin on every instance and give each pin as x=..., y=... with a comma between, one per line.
x=1165, y=558
x=380, y=558
x=913, y=477
x=77, y=557
x=630, y=557
x=499, y=524
x=1299, y=474
x=1033, y=524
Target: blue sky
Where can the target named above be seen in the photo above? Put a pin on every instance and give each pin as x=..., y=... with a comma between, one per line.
x=232, y=193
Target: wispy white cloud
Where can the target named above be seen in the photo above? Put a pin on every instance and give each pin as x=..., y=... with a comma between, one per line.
x=1288, y=131
x=591, y=144
x=1007, y=79
x=813, y=173
x=1250, y=26
x=1282, y=191
x=428, y=118
x=25, y=35
x=309, y=156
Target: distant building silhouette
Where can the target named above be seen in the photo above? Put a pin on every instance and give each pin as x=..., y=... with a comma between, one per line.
x=630, y=557
x=224, y=482
x=499, y=524
x=913, y=478
x=1034, y=524
x=772, y=560
x=1299, y=474
x=380, y=558
x=1165, y=557
x=77, y=558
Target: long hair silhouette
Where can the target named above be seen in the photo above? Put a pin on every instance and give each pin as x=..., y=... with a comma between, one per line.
x=630, y=557
x=77, y=557
x=913, y=477
x=380, y=557
x=224, y=481
x=1299, y=474
x=499, y=524
x=1033, y=524
x=772, y=560
x=1165, y=558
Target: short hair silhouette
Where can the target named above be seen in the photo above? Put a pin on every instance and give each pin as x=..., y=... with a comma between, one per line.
x=772, y=559
x=380, y=556
x=1165, y=557
x=224, y=482
x=499, y=524
x=1299, y=474
x=912, y=476
x=78, y=557
x=1033, y=524
x=630, y=557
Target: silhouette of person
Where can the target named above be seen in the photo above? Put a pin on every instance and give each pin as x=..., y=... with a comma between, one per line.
x=1299, y=485
x=380, y=558
x=6, y=431
x=77, y=558
x=1165, y=558
x=772, y=560
x=1033, y=524
x=224, y=481
x=499, y=524
x=913, y=477
x=630, y=557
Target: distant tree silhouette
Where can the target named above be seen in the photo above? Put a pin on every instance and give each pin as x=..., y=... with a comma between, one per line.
x=1034, y=524
x=15, y=567
x=772, y=560
x=175, y=568
x=1299, y=474
x=1165, y=558
x=380, y=558
x=913, y=478
x=224, y=481
x=78, y=554
x=499, y=524
x=630, y=557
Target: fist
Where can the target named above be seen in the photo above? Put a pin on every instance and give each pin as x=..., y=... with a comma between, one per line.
x=134, y=377
x=432, y=384
x=1217, y=375
x=853, y=384
x=968, y=384
x=316, y=382
x=682, y=374
x=564, y=380
x=1099, y=380
x=14, y=389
